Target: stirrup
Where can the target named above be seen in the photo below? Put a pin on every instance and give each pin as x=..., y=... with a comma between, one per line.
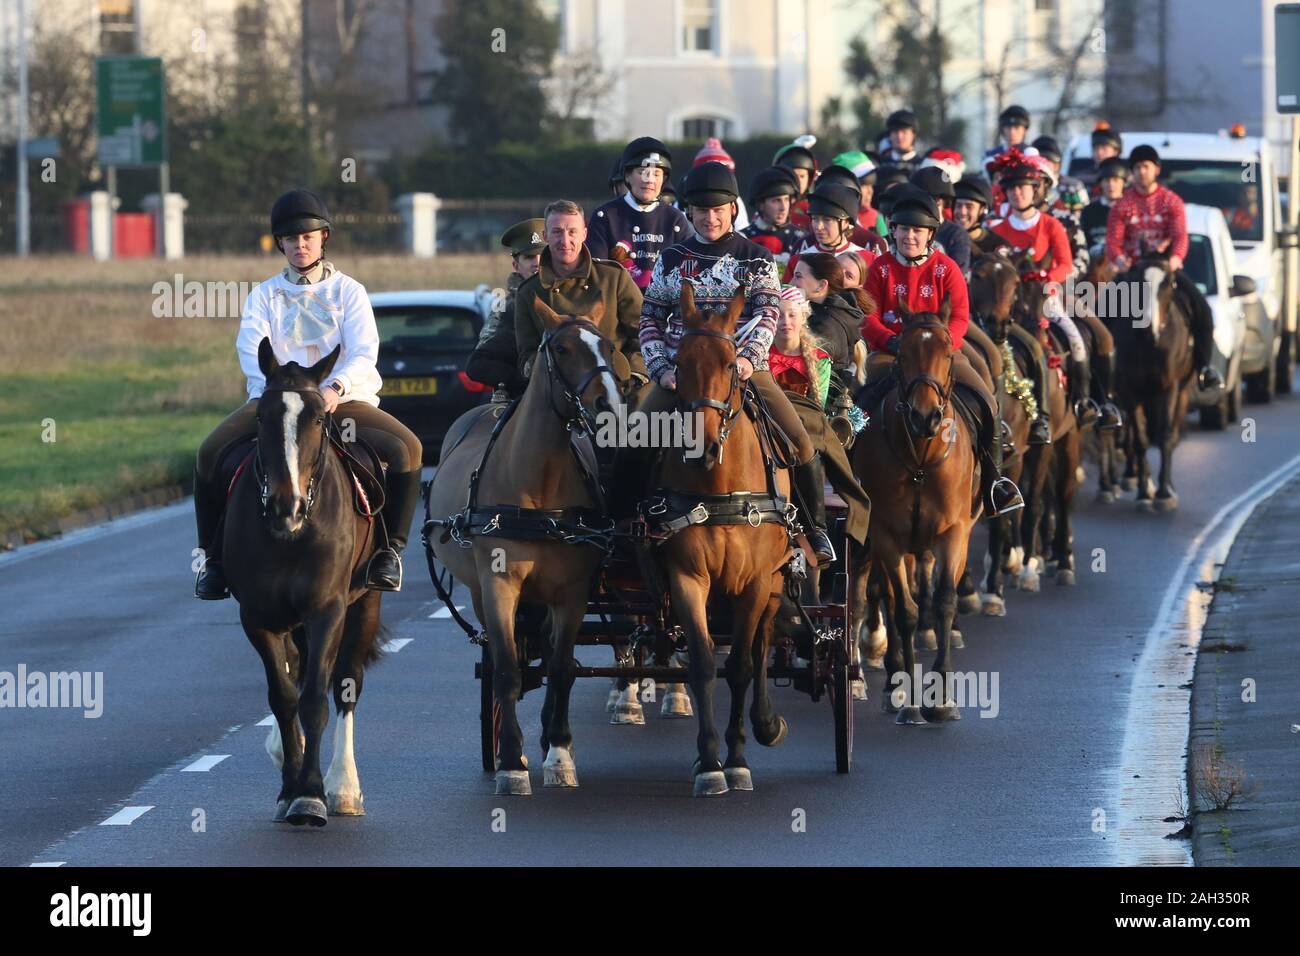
x=1014, y=499
x=1112, y=418
x=1209, y=379
x=1046, y=437
x=1086, y=410
x=211, y=570
x=384, y=584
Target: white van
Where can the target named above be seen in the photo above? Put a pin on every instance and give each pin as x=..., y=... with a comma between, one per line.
x=1236, y=174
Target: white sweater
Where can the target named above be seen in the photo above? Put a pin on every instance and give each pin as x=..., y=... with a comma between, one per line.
x=304, y=323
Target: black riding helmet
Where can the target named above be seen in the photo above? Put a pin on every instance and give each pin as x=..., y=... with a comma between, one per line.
x=1114, y=166
x=834, y=198
x=901, y=119
x=936, y=182
x=298, y=211
x=616, y=173
x=887, y=176
x=883, y=200
x=1049, y=147
x=770, y=183
x=643, y=150
x=710, y=184
x=1014, y=116
x=975, y=188
x=913, y=206
x=1105, y=136
x=838, y=174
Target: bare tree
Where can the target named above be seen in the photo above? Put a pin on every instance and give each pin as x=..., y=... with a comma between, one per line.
x=579, y=86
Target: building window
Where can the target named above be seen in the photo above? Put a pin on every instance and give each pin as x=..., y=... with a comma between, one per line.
x=1045, y=5
x=702, y=127
x=699, y=20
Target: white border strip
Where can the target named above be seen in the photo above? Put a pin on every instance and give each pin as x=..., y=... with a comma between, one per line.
x=126, y=816
x=1153, y=760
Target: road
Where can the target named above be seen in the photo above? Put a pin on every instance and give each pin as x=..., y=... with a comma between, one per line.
x=181, y=682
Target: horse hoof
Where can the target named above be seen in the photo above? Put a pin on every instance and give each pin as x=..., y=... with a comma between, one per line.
x=281, y=811
x=927, y=640
x=1065, y=577
x=969, y=603
x=513, y=783
x=738, y=778
x=858, y=689
x=1167, y=503
x=346, y=804
x=628, y=709
x=994, y=606
x=1015, y=560
x=310, y=810
x=676, y=703
x=935, y=715
x=711, y=784
x=1129, y=483
x=1028, y=580
x=955, y=640
x=558, y=769
x=771, y=736
x=1106, y=497
x=910, y=715
x=1145, y=505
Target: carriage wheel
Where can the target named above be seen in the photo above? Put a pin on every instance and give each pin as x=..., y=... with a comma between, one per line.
x=489, y=714
x=841, y=698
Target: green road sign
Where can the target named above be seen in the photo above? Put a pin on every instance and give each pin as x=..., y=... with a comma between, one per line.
x=132, y=129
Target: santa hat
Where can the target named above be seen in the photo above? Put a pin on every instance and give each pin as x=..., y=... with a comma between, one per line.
x=792, y=293
x=714, y=153
x=949, y=160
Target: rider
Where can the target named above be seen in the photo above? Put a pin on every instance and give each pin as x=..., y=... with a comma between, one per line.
x=901, y=150
x=1151, y=217
x=713, y=152
x=914, y=274
x=306, y=310
x=833, y=208
x=864, y=169
x=771, y=193
x=799, y=159
x=639, y=220
x=493, y=360
x=972, y=200
x=717, y=261
x=951, y=238
x=1112, y=177
x=835, y=310
x=1106, y=144
x=859, y=235
x=1013, y=126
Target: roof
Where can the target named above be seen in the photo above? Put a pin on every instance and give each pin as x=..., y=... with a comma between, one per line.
x=1209, y=146
x=1200, y=219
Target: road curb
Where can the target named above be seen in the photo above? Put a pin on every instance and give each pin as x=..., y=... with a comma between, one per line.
x=1244, y=698
x=166, y=495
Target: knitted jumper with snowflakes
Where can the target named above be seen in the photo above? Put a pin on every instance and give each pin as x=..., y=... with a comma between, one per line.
x=716, y=270
x=920, y=288
x=1138, y=220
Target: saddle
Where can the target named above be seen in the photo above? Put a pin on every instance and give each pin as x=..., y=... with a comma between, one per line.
x=362, y=475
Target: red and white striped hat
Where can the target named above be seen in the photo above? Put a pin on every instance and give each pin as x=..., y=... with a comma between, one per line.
x=712, y=152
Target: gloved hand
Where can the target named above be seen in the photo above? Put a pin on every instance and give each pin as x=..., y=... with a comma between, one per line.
x=892, y=345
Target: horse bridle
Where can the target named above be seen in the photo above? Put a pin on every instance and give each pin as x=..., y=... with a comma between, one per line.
x=317, y=468
x=906, y=388
x=581, y=417
x=726, y=409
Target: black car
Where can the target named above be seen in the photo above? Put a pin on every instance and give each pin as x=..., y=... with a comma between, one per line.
x=425, y=339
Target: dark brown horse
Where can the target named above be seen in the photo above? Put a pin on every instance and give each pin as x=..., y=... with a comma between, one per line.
x=739, y=563
x=296, y=549
x=918, y=466
x=501, y=555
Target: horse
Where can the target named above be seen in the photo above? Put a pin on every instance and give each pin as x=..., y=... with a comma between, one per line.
x=1155, y=376
x=923, y=481
x=296, y=550
x=536, y=531
x=993, y=292
x=739, y=560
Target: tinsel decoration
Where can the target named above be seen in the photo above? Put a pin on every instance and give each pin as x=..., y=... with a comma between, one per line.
x=1016, y=385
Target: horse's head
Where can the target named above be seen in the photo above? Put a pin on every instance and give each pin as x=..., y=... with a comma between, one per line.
x=924, y=369
x=707, y=377
x=1157, y=285
x=992, y=289
x=292, y=439
x=580, y=364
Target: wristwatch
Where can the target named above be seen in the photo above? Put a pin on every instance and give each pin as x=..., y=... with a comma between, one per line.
x=337, y=387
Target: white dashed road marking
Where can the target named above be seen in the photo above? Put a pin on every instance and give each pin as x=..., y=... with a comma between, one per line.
x=205, y=763
x=126, y=816
x=51, y=863
x=396, y=644
x=443, y=613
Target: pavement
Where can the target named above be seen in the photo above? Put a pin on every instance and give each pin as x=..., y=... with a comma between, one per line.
x=173, y=772
x=1246, y=699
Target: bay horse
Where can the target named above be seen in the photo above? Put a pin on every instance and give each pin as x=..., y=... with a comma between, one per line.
x=507, y=550
x=739, y=561
x=923, y=481
x=296, y=550
x=1154, y=376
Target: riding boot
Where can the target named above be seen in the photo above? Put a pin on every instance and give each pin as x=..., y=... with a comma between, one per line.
x=401, y=493
x=810, y=482
x=1080, y=381
x=209, y=502
x=1040, y=429
x=1103, y=371
x=1001, y=494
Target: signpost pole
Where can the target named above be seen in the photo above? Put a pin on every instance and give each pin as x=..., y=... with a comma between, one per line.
x=23, y=198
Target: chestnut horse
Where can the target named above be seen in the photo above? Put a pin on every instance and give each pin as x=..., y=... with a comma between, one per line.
x=918, y=466
x=530, y=469
x=738, y=562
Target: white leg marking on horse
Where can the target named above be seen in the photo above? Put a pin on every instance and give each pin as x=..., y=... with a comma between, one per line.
x=342, y=785
x=274, y=746
x=558, y=769
x=593, y=343
x=292, y=409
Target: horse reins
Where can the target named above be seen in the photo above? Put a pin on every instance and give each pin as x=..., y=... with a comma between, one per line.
x=581, y=416
x=726, y=409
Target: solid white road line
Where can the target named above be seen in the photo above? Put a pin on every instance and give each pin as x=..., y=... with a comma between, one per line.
x=396, y=644
x=206, y=763
x=1153, y=761
x=443, y=614
x=126, y=816
x=51, y=863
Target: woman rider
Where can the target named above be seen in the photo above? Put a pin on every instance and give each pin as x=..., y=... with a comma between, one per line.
x=914, y=275
x=836, y=310
x=803, y=370
x=306, y=310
